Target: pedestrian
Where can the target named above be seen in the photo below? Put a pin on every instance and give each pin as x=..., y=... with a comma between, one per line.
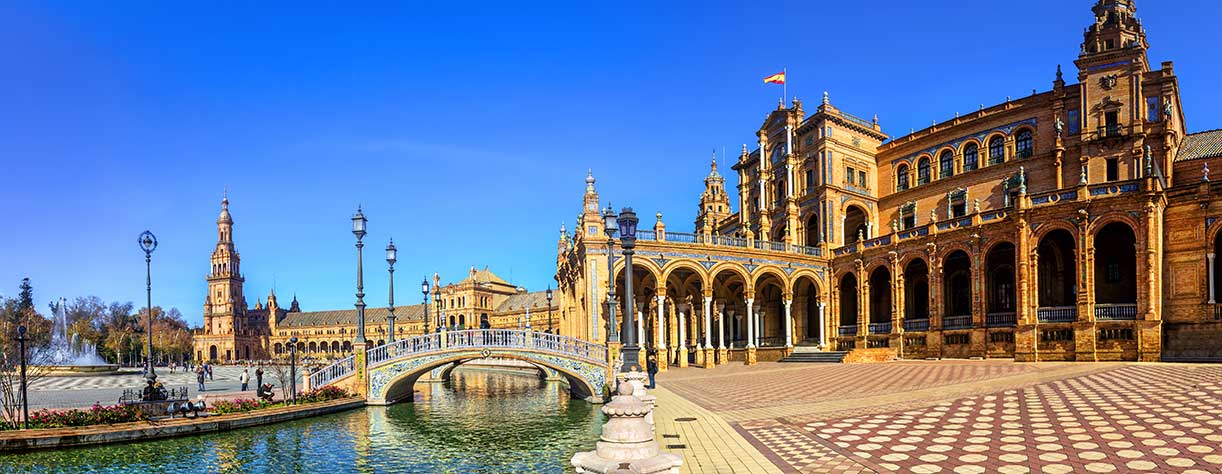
x=209, y=368
x=259, y=376
x=199, y=377
x=652, y=367
x=244, y=378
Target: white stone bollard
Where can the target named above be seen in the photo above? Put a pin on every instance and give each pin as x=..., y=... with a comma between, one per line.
x=627, y=443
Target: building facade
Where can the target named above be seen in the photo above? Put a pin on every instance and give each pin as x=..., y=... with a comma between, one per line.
x=1077, y=223
x=234, y=331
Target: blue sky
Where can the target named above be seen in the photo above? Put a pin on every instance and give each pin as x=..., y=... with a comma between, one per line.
x=464, y=131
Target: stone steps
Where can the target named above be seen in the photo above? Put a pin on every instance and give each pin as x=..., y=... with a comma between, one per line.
x=815, y=357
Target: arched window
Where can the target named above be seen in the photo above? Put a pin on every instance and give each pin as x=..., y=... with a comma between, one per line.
x=923, y=171
x=946, y=165
x=997, y=151
x=1023, y=144
x=901, y=178
x=971, y=156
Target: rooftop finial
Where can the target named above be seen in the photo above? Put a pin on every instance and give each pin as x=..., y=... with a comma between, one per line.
x=1060, y=76
x=590, y=181
x=825, y=99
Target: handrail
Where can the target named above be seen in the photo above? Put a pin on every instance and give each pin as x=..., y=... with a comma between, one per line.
x=957, y=322
x=487, y=338
x=333, y=372
x=1001, y=320
x=1116, y=312
x=848, y=330
x=880, y=328
x=916, y=325
x=1057, y=314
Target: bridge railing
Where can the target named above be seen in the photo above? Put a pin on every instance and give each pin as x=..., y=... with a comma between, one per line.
x=333, y=372
x=488, y=338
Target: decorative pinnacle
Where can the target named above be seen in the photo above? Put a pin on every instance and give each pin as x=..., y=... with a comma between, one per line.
x=826, y=101
x=590, y=181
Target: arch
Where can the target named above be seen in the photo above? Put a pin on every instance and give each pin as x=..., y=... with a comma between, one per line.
x=1057, y=275
x=880, y=295
x=971, y=155
x=732, y=267
x=916, y=289
x=924, y=173
x=1001, y=295
x=335, y=346
x=279, y=348
x=1024, y=142
x=957, y=284
x=212, y=353
x=901, y=177
x=996, y=149
x=685, y=264
x=347, y=346
x=812, y=230
x=848, y=300
x=392, y=382
x=855, y=220
x=946, y=163
x=1115, y=264
x=313, y=347
x=766, y=270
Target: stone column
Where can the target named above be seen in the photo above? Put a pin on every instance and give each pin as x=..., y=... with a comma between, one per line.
x=709, y=354
x=1209, y=257
x=823, y=325
x=788, y=324
x=682, y=362
x=750, y=356
x=721, y=339
x=660, y=330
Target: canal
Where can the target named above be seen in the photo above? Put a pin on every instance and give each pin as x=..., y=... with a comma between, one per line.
x=479, y=421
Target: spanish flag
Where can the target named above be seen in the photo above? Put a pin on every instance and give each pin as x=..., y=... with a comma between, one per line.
x=778, y=78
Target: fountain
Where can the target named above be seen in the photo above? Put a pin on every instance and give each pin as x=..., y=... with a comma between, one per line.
x=67, y=356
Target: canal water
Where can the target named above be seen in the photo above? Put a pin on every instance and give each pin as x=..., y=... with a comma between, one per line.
x=478, y=422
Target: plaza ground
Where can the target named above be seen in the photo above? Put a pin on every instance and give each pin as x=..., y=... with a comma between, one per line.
x=944, y=417
x=75, y=392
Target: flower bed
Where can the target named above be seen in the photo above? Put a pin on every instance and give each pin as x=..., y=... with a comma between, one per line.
x=95, y=415
x=324, y=394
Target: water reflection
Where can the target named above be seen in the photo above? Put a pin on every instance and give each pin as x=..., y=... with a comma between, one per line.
x=478, y=422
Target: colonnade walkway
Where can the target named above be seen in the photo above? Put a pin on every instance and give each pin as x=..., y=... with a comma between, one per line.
x=944, y=416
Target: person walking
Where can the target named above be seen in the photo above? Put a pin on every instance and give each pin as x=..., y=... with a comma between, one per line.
x=244, y=379
x=208, y=367
x=652, y=367
x=199, y=377
x=259, y=376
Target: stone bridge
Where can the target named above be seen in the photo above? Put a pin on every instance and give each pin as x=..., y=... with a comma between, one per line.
x=385, y=374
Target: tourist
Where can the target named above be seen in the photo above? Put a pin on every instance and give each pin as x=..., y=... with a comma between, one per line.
x=259, y=376
x=244, y=378
x=652, y=367
x=199, y=377
x=208, y=367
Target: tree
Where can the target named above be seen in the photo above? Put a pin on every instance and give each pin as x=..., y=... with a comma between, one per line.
x=25, y=299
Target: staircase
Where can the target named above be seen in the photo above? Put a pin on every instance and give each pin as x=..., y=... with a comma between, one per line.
x=810, y=354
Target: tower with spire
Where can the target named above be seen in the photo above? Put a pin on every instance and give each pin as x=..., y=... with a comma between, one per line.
x=714, y=202
x=225, y=300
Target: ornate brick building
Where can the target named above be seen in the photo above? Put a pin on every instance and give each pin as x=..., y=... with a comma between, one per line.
x=1077, y=223
x=235, y=331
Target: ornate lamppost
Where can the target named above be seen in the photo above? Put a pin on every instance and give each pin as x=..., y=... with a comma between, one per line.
x=25, y=406
x=293, y=369
x=549, y=309
x=148, y=243
x=627, y=228
x=358, y=229
x=424, y=288
x=391, y=254
x=610, y=227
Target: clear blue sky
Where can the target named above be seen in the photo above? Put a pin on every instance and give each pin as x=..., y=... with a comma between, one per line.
x=464, y=128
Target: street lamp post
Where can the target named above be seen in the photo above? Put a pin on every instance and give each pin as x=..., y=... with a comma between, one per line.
x=25, y=405
x=148, y=243
x=424, y=288
x=610, y=227
x=627, y=228
x=549, y=309
x=391, y=254
x=293, y=369
x=358, y=229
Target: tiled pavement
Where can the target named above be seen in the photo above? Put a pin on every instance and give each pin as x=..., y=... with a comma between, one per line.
x=1032, y=418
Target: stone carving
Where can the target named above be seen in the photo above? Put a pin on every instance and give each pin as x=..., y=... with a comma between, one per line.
x=1149, y=160
x=1060, y=126
x=1205, y=173
x=1108, y=82
x=1168, y=108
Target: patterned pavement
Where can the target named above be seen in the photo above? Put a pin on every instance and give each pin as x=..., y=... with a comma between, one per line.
x=948, y=417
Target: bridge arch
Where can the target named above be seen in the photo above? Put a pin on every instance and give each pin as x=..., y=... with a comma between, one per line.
x=393, y=382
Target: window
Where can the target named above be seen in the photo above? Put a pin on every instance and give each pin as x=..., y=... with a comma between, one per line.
x=810, y=180
x=997, y=151
x=908, y=216
x=1023, y=146
x=1075, y=125
x=1113, y=169
x=971, y=154
x=861, y=180
x=946, y=165
x=957, y=200
x=828, y=133
x=849, y=174
x=1113, y=272
x=1152, y=114
x=923, y=171
x=901, y=178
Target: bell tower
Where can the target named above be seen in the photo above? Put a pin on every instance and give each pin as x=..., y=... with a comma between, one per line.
x=1110, y=67
x=714, y=202
x=225, y=300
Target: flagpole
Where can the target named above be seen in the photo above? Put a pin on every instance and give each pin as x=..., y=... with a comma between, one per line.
x=784, y=85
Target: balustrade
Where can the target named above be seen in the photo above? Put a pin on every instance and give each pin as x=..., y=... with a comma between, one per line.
x=333, y=372
x=880, y=328
x=1116, y=312
x=1058, y=314
x=957, y=322
x=916, y=325
x=848, y=330
x=1001, y=320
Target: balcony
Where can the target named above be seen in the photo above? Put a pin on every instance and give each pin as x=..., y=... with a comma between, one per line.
x=1058, y=314
x=880, y=328
x=725, y=241
x=1115, y=312
x=957, y=322
x=1001, y=320
x=848, y=330
x=1111, y=131
x=916, y=325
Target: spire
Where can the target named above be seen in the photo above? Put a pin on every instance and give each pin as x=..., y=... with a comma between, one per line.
x=590, y=181
x=294, y=306
x=826, y=100
x=713, y=174
x=225, y=218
